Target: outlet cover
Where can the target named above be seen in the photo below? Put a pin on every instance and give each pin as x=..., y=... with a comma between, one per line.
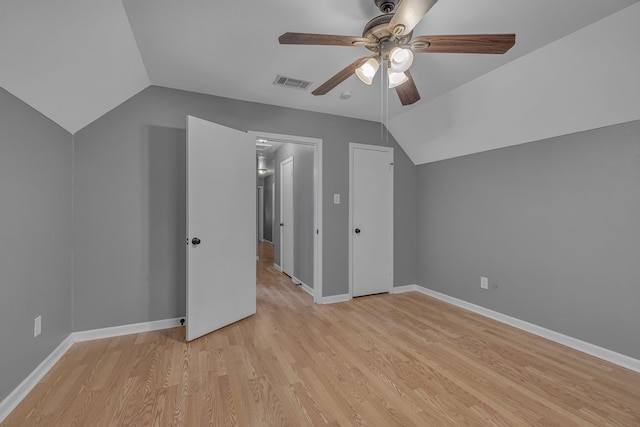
x=37, y=326
x=484, y=283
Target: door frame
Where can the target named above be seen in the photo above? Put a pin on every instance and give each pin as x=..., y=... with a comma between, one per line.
x=260, y=213
x=353, y=146
x=273, y=209
x=316, y=143
x=280, y=228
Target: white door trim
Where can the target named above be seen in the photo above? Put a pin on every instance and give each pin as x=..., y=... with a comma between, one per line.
x=353, y=146
x=273, y=211
x=316, y=143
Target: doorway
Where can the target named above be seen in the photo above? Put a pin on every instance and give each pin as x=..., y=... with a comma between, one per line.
x=370, y=219
x=315, y=208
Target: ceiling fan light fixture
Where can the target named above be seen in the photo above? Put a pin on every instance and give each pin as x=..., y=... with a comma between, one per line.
x=400, y=59
x=396, y=79
x=367, y=71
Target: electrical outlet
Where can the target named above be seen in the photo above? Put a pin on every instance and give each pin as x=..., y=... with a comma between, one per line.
x=484, y=283
x=37, y=326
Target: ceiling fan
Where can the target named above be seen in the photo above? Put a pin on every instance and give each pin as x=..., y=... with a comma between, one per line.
x=389, y=37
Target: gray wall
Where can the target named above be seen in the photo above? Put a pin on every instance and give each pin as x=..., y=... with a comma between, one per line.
x=555, y=224
x=129, y=221
x=303, y=207
x=35, y=238
x=125, y=233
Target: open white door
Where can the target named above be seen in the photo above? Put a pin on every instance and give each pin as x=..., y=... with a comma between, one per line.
x=286, y=216
x=221, y=227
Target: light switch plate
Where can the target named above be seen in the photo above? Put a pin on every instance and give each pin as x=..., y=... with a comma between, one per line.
x=37, y=326
x=336, y=199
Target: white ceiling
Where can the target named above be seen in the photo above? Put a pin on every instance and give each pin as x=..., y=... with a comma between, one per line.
x=74, y=60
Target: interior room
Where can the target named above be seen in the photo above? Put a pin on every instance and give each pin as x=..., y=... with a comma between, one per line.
x=506, y=268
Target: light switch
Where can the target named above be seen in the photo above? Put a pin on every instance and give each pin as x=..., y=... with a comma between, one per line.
x=336, y=199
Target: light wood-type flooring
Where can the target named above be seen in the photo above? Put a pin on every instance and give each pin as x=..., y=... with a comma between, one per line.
x=384, y=360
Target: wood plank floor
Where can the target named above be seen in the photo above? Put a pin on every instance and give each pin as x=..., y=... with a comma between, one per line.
x=382, y=360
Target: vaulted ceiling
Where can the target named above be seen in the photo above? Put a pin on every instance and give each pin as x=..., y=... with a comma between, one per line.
x=74, y=60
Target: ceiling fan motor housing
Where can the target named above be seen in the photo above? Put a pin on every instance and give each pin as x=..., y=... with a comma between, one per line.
x=377, y=30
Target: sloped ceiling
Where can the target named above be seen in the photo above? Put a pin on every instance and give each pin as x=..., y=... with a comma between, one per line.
x=74, y=60
x=586, y=80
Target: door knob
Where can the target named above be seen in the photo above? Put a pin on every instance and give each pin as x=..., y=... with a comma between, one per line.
x=195, y=241
x=281, y=224
x=357, y=230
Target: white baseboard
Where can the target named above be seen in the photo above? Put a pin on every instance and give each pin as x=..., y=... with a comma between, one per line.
x=117, y=331
x=585, y=347
x=277, y=267
x=402, y=289
x=20, y=392
x=308, y=289
x=335, y=298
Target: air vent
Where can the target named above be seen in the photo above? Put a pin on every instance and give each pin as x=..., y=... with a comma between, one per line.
x=292, y=83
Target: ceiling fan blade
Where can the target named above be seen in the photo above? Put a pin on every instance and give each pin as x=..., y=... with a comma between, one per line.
x=467, y=43
x=341, y=76
x=407, y=91
x=322, y=39
x=408, y=14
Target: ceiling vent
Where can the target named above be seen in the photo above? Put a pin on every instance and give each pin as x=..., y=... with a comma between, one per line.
x=292, y=83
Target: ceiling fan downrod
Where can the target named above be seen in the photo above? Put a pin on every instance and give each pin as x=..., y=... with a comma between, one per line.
x=386, y=6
